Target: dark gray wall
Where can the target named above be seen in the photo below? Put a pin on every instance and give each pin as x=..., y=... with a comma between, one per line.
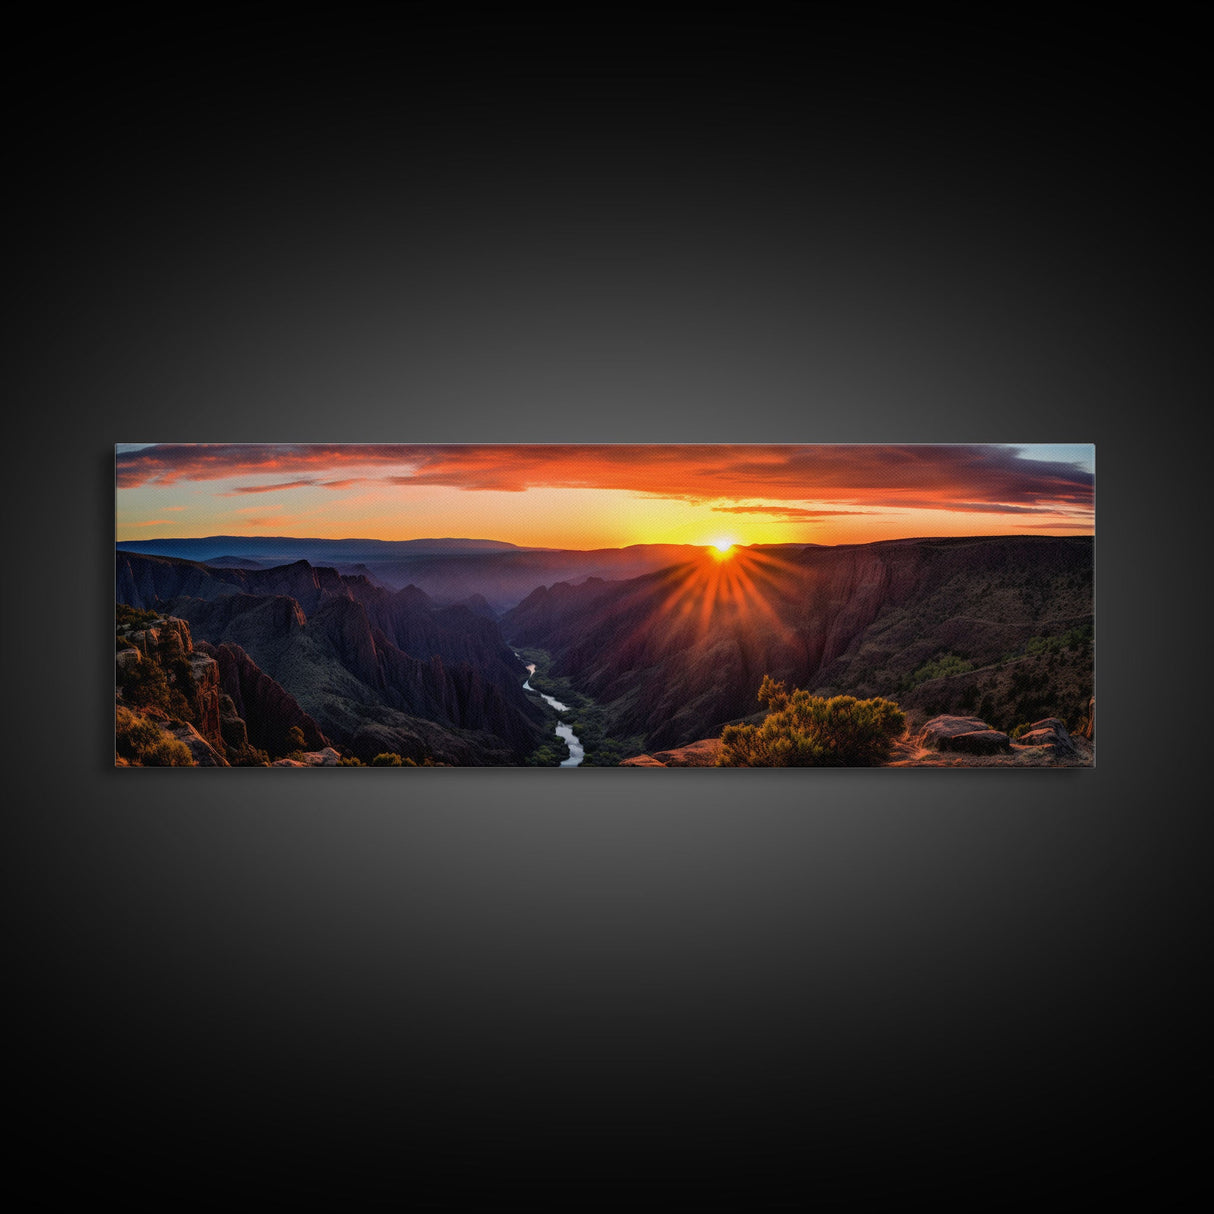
x=952, y=230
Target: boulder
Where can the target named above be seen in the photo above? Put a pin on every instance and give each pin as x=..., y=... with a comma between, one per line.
x=320, y=758
x=977, y=742
x=168, y=638
x=940, y=728
x=1049, y=733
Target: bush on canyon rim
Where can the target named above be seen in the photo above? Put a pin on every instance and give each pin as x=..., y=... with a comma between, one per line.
x=803, y=730
x=134, y=734
x=168, y=752
x=142, y=742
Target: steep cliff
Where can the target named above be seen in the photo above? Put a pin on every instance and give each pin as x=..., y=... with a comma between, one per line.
x=265, y=710
x=160, y=676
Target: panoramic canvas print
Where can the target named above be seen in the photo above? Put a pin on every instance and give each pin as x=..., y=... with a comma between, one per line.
x=385, y=605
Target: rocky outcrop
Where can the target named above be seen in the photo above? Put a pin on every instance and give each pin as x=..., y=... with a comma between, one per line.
x=168, y=643
x=968, y=735
x=978, y=742
x=205, y=672
x=163, y=640
x=947, y=727
x=202, y=752
x=327, y=757
x=1051, y=734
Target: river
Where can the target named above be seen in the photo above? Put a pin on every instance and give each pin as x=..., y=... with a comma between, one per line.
x=576, y=752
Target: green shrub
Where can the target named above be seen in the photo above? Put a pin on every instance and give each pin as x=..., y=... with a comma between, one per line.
x=804, y=730
x=249, y=757
x=547, y=755
x=134, y=734
x=144, y=684
x=940, y=667
x=145, y=744
x=132, y=617
x=168, y=752
x=388, y=759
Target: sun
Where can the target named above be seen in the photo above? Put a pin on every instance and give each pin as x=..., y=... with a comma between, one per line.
x=721, y=548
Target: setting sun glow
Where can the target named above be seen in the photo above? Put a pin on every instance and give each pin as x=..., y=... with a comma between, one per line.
x=722, y=548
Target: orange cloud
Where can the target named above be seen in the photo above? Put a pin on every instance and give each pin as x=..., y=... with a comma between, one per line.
x=791, y=513
x=953, y=477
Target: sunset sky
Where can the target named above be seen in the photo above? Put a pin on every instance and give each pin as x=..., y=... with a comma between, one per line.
x=603, y=496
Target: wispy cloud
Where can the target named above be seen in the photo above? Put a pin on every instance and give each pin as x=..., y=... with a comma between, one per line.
x=1062, y=524
x=936, y=503
x=792, y=513
x=268, y=488
x=306, y=483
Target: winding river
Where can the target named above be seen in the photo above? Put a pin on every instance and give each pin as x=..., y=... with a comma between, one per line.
x=576, y=751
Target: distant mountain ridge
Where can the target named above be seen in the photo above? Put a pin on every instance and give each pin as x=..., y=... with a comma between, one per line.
x=448, y=570
x=283, y=548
